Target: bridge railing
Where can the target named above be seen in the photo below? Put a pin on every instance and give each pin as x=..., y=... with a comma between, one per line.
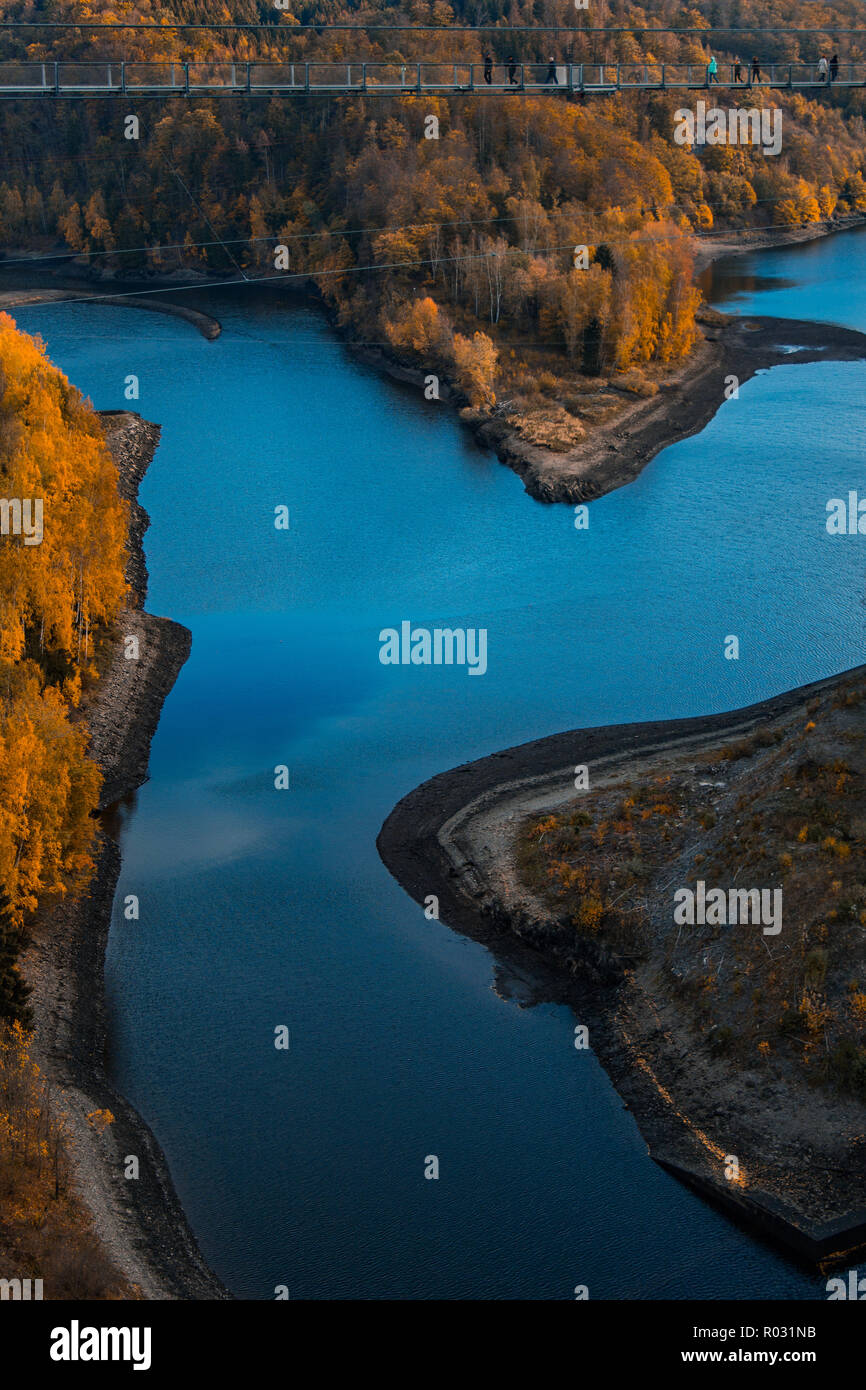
x=154, y=77
x=217, y=77
x=779, y=75
x=335, y=77
x=595, y=75
x=88, y=77
x=446, y=76
x=641, y=74
x=392, y=77
x=693, y=75
x=682, y=75
x=278, y=77
x=200, y=78
x=807, y=75
x=27, y=77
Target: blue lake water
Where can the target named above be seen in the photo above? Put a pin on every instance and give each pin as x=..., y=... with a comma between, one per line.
x=262, y=907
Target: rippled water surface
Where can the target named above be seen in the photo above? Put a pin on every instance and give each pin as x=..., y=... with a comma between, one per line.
x=262, y=907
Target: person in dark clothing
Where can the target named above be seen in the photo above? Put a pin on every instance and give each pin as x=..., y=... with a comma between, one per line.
x=488, y=69
x=834, y=67
x=756, y=70
x=512, y=70
x=551, y=74
x=738, y=70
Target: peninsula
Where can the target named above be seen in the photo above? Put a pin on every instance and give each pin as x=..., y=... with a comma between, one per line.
x=740, y=1049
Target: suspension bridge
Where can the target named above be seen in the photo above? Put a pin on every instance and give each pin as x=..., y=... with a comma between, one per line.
x=86, y=80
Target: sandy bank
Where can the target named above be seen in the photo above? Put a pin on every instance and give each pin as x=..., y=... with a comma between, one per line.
x=140, y=1223
x=456, y=837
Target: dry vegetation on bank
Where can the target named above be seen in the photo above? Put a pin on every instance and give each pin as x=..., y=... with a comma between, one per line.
x=785, y=808
x=45, y=1231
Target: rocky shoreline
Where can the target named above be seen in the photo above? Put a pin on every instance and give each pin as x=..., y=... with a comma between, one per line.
x=140, y=1224
x=455, y=837
x=616, y=453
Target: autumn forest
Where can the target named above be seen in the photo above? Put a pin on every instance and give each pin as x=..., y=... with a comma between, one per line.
x=455, y=251
x=530, y=251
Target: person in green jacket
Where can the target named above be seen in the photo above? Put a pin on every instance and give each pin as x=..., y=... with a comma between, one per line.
x=712, y=70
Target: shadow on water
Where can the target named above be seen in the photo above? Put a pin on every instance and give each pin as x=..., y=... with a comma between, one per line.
x=116, y=817
x=724, y=282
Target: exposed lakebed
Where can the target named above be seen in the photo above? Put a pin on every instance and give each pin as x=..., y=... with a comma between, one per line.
x=261, y=907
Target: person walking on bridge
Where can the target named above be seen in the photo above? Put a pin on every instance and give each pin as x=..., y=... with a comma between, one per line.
x=756, y=70
x=712, y=71
x=834, y=67
x=488, y=69
x=551, y=73
x=823, y=71
x=738, y=70
x=512, y=70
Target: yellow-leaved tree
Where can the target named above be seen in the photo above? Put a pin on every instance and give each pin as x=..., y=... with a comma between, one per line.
x=475, y=361
x=63, y=533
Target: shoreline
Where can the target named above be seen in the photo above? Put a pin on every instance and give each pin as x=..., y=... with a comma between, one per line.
x=151, y=1242
x=733, y=243
x=614, y=453
x=209, y=327
x=141, y=1225
x=454, y=836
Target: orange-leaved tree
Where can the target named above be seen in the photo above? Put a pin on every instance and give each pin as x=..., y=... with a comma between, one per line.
x=62, y=581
